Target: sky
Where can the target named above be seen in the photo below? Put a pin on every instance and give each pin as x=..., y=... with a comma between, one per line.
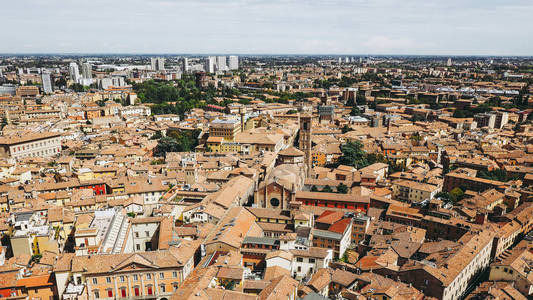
x=415, y=27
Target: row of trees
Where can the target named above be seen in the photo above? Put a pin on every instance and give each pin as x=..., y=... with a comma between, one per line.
x=340, y=189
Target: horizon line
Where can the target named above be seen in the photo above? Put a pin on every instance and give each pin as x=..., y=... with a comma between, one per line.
x=251, y=54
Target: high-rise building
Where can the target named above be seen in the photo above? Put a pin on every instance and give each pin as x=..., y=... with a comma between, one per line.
x=86, y=71
x=74, y=72
x=233, y=62
x=221, y=63
x=449, y=62
x=47, y=83
x=185, y=65
x=157, y=63
x=210, y=64
x=105, y=83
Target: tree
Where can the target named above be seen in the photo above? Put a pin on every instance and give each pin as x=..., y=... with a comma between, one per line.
x=360, y=99
x=445, y=196
x=346, y=128
x=230, y=285
x=354, y=155
x=374, y=104
x=355, y=111
x=78, y=87
x=61, y=82
x=177, y=141
x=157, y=135
x=456, y=195
x=344, y=257
x=327, y=189
x=342, y=188
x=3, y=123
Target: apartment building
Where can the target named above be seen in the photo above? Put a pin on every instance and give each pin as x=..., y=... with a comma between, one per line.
x=337, y=241
x=412, y=191
x=144, y=232
x=455, y=179
x=360, y=224
x=227, y=129
x=27, y=91
x=42, y=113
x=515, y=266
x=30, y=145
x=301, y=263
x=144, y=275
x=485, y=120
x=334, y=200
x=450, y=278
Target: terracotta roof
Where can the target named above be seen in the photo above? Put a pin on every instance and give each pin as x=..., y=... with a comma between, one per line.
x=36, y=281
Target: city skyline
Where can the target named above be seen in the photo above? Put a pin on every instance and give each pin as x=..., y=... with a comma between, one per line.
x=386, y=27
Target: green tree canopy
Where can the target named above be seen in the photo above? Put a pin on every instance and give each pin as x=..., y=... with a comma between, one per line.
x=327, y=189
x=456, y=195
x=342, y=188
x=177, y=141
x=354, y=155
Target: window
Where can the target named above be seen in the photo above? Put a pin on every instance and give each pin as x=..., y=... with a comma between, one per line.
x=175, y=274
x=163, y=288
x=147, y=233
x=108, y=279
x=136, y=291
x=312, y=260
x=161, y=275
x=136, y=234
x=148, y=276
x=135, y=277
x=138, y=246
x=95, y=281
x=123, y=292
x=110, y=293
x=299, y=259
x=96, y=294
x=149, y=290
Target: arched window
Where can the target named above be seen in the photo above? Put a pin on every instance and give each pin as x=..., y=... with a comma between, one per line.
x=274, y=202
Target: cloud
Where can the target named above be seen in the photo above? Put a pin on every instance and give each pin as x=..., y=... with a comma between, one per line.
x=388, y=45
x=451, y=27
